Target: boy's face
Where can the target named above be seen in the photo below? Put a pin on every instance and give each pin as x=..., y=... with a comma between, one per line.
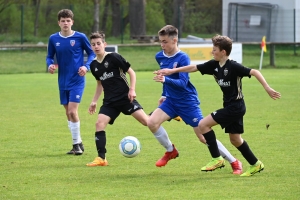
x=65, y=24
x=167, y=43
x=217, y=54
x=98, y=46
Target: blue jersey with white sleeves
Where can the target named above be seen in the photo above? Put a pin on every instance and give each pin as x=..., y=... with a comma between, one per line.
x=69, y=52
x=177, y=87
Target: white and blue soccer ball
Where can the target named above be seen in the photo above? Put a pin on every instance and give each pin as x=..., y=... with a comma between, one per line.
x=130, y=146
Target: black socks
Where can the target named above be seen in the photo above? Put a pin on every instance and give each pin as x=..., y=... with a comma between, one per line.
x=212, y=145
x=247, y=153
x=100, y=139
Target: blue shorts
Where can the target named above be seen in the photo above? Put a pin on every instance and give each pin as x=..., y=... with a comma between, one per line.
x=73, y=95
x=191, y=114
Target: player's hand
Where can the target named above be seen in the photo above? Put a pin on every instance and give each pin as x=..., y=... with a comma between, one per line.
x=273, y=94
x=82, y=71
x=51, y=68
x=162, y=99
x=131, y=95
x=164, y=72
x=159, y=78
x=92, y=108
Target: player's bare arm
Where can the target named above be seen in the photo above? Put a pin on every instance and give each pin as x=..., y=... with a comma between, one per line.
x=272, y=93
x=98, y=92
x=131, y=93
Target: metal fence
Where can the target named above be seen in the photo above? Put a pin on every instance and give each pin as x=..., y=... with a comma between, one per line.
x=248, y=22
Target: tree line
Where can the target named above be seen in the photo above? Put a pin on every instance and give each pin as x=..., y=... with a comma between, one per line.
x=38, y=18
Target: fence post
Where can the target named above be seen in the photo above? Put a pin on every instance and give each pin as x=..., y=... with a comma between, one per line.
x=236, y=24
x=22, y=23
x=122, y=24
x=179, y=29
x=272, y=55
x=295, y=32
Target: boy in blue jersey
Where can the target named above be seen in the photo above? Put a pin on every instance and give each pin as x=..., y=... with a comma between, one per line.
x=228, y=74
x=68, y=46
x=179, y=98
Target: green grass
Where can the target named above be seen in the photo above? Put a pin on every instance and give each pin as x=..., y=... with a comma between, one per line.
x=142, y=58
x=34, y=138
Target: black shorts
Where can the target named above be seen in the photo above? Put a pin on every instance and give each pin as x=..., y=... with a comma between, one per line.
x=114, y=110
x=231, y=116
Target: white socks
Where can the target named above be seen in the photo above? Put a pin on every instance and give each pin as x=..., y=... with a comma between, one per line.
x=225, y=153
x=75, y=131
x=163, y=138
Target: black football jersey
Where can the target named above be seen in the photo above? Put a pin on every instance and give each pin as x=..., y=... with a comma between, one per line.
x=112, y=74
x=229, y=77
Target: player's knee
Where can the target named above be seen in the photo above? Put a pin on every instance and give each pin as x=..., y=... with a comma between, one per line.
x=203, y=127
x=236, y=141
x=152, y=125
x=100, y=125
x=73, y=114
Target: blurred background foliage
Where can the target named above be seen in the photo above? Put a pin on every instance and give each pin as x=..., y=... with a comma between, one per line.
x=35, y=20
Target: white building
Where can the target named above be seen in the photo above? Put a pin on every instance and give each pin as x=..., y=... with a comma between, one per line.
x=249, y=20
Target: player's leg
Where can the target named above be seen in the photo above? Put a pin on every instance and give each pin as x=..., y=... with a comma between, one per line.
x=222, y=149
x=141, y=116
x=136, y=110
x=255, y=164
x=71, y=152
x=193, y=116
x=73, y=119
x=154, y=124
x=224, y=117
x=74, y=97
x=75, y=150
x=205, y=129
x=236, y=165
x=106, y=115
x=75, y=127
x=235, y=129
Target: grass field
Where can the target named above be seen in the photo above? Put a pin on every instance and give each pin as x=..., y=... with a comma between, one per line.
x=34, y=138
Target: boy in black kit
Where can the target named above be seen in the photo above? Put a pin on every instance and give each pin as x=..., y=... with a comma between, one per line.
x=109, y=70
x=228, y=74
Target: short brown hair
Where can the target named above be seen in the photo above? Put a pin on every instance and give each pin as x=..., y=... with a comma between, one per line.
x=168, y=30
x=223, y=42
x=98, y=34
x=65, y=13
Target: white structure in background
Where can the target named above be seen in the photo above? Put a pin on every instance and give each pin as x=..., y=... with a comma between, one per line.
x=199, y=49
x=250, y=20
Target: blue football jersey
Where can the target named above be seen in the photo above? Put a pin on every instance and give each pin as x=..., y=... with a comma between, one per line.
x=69, y=52
x=177, y=87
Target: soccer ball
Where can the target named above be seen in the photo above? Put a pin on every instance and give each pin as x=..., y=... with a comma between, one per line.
x=130, y=146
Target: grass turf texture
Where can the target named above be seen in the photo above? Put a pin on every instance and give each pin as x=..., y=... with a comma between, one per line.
x=34, y=139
